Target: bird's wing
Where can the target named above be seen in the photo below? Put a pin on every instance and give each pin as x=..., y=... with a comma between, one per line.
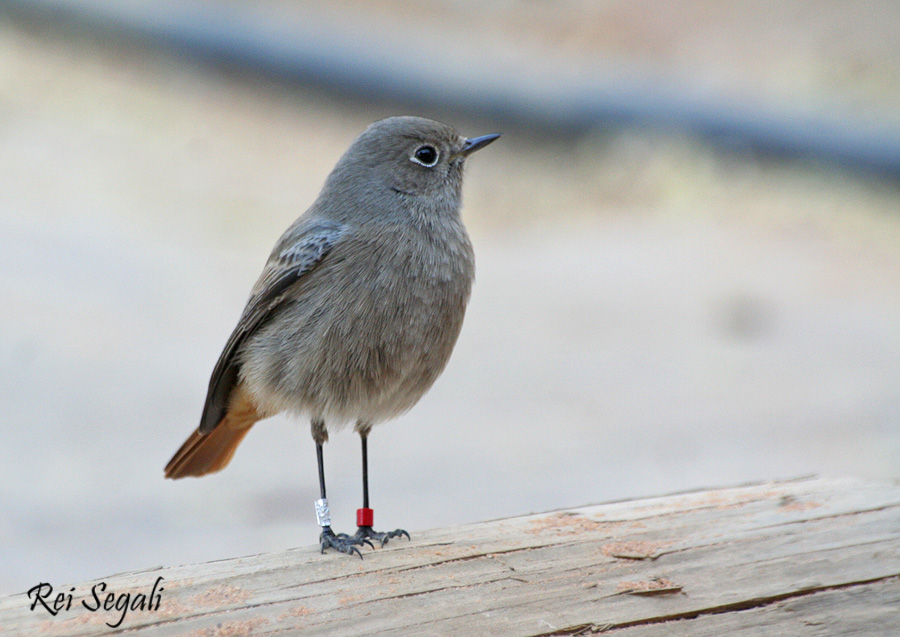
x=296, y=254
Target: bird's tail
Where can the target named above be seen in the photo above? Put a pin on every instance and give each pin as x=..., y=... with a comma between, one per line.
x=210, y=452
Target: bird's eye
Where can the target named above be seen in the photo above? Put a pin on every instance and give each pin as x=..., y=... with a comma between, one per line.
x=425, y=155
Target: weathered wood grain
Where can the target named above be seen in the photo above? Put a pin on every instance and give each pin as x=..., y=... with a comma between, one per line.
x=861, y=609
x=812, y=557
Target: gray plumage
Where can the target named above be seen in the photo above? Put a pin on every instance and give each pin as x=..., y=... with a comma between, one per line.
x=362, y=299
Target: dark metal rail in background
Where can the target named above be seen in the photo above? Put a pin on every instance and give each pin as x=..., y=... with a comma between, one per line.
x=375, y=68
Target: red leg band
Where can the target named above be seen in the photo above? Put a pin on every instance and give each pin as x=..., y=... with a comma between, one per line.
x=365, y=517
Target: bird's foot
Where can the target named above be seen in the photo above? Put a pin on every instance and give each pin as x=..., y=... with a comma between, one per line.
x=341, y=542
x=366, y=533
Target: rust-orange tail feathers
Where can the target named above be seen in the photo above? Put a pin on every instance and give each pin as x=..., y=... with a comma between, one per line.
x=207, y=453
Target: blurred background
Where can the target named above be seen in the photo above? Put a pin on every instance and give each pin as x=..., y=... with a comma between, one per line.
x=688, y=247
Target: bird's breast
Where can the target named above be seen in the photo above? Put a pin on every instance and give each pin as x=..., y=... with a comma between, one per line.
x=369, y=331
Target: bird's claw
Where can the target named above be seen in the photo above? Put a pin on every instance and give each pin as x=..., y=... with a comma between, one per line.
x=340, y=542
x=364, y=533
x=355, y=539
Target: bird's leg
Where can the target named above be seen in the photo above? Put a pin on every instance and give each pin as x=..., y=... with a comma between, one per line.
x=365, y=516
x=328, y=539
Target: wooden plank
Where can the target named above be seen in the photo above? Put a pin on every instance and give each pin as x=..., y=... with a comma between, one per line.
x=751, y=558
x=866, y=609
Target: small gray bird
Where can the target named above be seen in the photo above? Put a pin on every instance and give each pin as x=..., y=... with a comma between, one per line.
x=357, y=309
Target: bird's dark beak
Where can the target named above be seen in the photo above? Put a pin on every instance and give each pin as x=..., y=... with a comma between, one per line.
x=476, y=143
